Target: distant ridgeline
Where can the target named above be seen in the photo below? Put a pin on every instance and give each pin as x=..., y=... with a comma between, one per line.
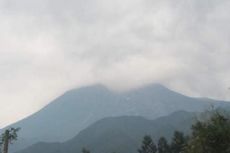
x=77, y=110
x=118, y=134
x=125, y=134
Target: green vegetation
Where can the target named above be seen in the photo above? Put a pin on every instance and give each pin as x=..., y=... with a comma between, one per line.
x=84, y=150
x=209, y=136
x=148, y=146
x=179, y=142
x=163, y=146
x=7, y=138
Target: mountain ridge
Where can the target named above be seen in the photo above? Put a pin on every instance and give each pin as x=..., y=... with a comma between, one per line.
x=102, y=87
x=76, y=109
x=120, y=134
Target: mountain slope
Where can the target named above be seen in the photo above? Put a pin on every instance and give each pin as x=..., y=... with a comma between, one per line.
x=118, y=134
x=78, y=108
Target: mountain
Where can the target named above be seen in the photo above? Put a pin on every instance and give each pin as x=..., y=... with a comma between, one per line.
x=118, y=134
x=76, y=109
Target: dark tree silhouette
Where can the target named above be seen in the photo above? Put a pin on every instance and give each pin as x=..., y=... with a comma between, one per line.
x=179, y=142
x=84, y=150
x=148, y=146
x=163, y=146
x=8, y=137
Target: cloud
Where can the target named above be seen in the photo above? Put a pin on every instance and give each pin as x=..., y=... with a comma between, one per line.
x=48, y=47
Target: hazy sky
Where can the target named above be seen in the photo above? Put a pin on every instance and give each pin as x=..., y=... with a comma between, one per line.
x=50, y=46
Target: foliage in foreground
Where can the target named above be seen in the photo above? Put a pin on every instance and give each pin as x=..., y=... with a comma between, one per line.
x=7, y=137
x=209, y=136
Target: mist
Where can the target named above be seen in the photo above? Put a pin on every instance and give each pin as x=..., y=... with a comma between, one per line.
x=48, y=47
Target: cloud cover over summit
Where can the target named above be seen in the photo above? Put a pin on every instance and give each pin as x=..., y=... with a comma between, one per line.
x=47, y=47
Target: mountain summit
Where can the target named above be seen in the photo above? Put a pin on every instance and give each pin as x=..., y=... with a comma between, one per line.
x=78, y=108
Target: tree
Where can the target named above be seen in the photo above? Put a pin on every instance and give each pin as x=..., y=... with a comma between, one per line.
x=163, y=146
x=84, y=150
x=211, y=136
x=148, y=146
x=8, y=137
x=0, y=146
x=179, y=142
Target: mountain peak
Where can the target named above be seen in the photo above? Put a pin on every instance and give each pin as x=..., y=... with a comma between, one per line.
x=156, y=86
x=78, y=108
x=102, y=88
x=90, y=88
x=152, y=88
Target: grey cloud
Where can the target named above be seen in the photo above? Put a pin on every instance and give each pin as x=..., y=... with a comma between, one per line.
x=53, y=46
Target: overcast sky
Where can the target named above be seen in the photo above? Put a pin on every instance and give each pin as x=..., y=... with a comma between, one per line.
x=50, y=46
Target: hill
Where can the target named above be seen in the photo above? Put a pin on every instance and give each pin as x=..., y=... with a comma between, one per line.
x=118, y=134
